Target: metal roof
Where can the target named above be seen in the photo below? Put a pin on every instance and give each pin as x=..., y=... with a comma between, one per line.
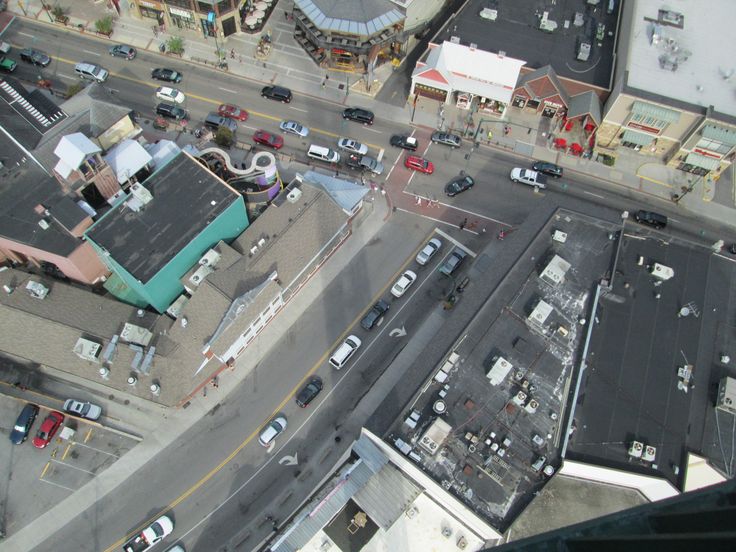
x=346, y=193
x=356, y=17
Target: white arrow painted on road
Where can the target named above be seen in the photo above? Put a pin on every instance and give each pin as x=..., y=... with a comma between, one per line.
x=289, y=460
x=398, y=332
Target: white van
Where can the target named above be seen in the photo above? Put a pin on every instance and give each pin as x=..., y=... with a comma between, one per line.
x=343, y=353
x=90, y=71
x=323, y=154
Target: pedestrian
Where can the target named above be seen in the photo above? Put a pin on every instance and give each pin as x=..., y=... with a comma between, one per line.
x=324, y=83
x=463, y=223
x=232, y=53
x=286, y=15
x=327, y=77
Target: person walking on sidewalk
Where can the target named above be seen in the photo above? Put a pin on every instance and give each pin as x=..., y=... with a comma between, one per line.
x=463, y=223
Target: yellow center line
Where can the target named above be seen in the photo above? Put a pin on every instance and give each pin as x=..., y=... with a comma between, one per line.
x=186, y=494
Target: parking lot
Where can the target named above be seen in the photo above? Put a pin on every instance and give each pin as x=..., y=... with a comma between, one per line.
x=34, y=480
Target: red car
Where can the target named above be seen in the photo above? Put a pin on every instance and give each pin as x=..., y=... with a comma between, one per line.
x=232, y=112
x=48, y=429
x=420, y=164
x=267, y=139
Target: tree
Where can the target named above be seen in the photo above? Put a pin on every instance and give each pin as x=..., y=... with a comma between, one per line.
x=175, y=45
x=59, y=14
x=104, y=25
x=73, y=89
x=224, y=137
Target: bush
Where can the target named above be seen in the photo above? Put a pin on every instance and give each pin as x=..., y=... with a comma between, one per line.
x=175, y=45
x=104, y=25
x=73, y=89
x=608, y=161
x=224, y=137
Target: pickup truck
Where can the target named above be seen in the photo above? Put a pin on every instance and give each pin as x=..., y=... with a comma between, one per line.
x=453, y=262
x=526, y=176
x=7, y=64
x=150, y=536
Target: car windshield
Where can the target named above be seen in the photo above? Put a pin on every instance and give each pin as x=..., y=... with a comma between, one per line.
x=157, y=529
x=19, y=428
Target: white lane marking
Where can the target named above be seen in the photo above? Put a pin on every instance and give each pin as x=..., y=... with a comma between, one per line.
x=374, y=130
x=227, y=90
x=91, y=53
x=298, y=109
x=594, y=195
x=27, y=34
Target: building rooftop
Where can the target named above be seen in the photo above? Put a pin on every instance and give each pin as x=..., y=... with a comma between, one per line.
x=357, y=17
x=516, y=31
x=681, y=51
x=186, y=198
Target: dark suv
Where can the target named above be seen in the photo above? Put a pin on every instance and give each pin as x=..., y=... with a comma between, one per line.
x=278, y=93
x=171, y=111
x=453, y=262
x=651, y=218
x=23, y=424
x=374, y=317
x=358, y=115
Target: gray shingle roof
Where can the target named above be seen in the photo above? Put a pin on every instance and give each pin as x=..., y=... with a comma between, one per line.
x=587, y=103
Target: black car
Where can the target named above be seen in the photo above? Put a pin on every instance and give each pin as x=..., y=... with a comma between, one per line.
x=166, y=75
x=23, y=424
x=352, y=161
x=358, y=115
x=171, y=111
x=36, y=57
x=123, y=51
x=309, y=392
x=550, y=169
x=278, y=93
x=406, y=142
x=459, y=184
x=651, y=218
x=374, y=317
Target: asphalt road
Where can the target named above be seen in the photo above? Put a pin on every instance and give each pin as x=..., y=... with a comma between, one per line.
x=220, y=483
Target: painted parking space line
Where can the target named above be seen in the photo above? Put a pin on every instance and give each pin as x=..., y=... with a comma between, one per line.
x=58, y=485
x=94, y=449
x=72, y=467
x=456, y=242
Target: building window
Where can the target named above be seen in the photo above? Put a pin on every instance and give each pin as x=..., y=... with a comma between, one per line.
x=713, y=145
x=224, y=6
x=647, y=122
x=180, y=3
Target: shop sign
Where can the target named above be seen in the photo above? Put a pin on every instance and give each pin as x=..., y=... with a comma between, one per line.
x=149, y=4
x=707, y=153
x=650, y=130
x=180, y=13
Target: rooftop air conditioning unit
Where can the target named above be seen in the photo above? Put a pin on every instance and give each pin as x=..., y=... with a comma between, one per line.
x=294, y=195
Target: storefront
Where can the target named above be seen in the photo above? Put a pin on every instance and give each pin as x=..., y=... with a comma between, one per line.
x=151, y=10
x=182, y=19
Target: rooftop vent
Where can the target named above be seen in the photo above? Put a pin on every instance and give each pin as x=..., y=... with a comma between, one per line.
x=455, y=39
x=294, y=195
x=671, y=18
x=87, y=349
x=36, y=290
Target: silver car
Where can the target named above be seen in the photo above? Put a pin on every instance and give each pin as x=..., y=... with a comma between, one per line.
x=348, y=144
x=294, y=127
x=447, y=139
x=273, y=429
x=82, y=409
x=429, y=250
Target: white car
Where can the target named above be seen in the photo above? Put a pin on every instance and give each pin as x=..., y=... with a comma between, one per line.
x=343, y=353
x=348, y=144
x=274, y=428
x=293, y=127
x=404, y=283
x=82, y=409
x=429, y=250
x=168, y=94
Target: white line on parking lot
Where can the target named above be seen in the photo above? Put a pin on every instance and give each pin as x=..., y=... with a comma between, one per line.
x=70, y=466
x=77, y=443
x=227, y=90
x=90, y=52
x=457, y=243
x=299, y=109
x=594, y=195
x=57, y=485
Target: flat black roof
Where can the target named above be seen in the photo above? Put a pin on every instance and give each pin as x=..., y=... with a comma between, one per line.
x=630, y=388
x=186, y=199
x=516, y=32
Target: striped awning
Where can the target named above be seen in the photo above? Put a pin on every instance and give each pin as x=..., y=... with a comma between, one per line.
x=637, y=138
x=656, y=111
x=702, y=161
x=720, y=134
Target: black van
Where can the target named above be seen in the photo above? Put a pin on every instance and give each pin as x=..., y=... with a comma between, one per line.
x=23, y=424
x=278, y=93
x=651, y=218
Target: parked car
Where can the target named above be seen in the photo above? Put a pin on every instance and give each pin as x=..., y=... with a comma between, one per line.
x=406, y=142
x=429, y=250
x=322, y=153
x=309, y=392
x=358, y=115
x=352, y=161
x=343, y=353
x=293, y=127
x=267, y=139
x=416, y=163
x=232, y=112
x=374, y=317
x=278, y=93
x=168, y=94
x=82, y=409
x=48, y=429
x=36, y=57
x=550, y=169
x=23, y=424
x=651, y=218
x=348, y=144
x=5, y=48
x=403, y=283
x=171, y=111
x=273, y=429
x=453, y=262
x=123, y=51
x=215, y=122
x=166, y=75
x=371, y=164
x=459, y=184
x=7, y=64
x=447, y=139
